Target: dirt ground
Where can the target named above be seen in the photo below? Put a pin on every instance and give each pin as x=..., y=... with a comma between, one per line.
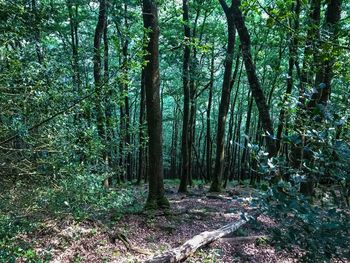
x=137, y=237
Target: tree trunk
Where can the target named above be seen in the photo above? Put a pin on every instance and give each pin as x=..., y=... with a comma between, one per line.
x=142, y=135
x=101, y=117
x=325, y=73
x=306, y=78
x=174, y=144
x=37, y=34
x=245, y=152
x=224, y=102
x=179, y=254
x=238, y=139
x=186, y=108
x=125, y=84
x=323, y=79
x=210, y=99
x=108, y=101
x=313, y=35
x=73, y=22
x=230, y=129
x=156, y=197
x=253, y=80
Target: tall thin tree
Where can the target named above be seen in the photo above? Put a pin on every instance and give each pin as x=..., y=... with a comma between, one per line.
x=186, y=109
x=225, y=100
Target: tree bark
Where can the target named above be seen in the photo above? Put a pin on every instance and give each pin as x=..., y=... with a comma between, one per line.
x=156, y=197
x=101, y=117
x=186, y=108
x=174, y=144
x=224, y=102
x=179, y=254
x=245, y=152
x=36, y=32
x=325, y=74
x=142, y=135
x=73, y=22
x=210, y=99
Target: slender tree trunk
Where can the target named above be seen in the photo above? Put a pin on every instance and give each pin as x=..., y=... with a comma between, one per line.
x=210, y=99
x=313, y=35
x=156, y=197
x=193, y=105
x=238, y=140
x=142, y=135
x=236, y=126
x=174, y=145
x=108, y=101
x=231, y=123
x=255, y=175
x=73, y=22
x=37, y=34
x=306, y=78
x=277, y=70
x=192, y=130
x=245, y=152
x=186, y=110
x=101, y=117
x=125, y=53
x=224, y=102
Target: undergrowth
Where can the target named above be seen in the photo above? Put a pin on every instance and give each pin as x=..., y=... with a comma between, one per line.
x=26, y=205
x=317, y=230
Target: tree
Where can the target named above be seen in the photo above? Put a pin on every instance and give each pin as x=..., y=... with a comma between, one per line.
x=208, y=133
x=142, y=135
x=156, y=198
x=101, y=117
x=323, y=78
x=73, y=22
x=225, y=100
x=185, y=171
x=253, y=80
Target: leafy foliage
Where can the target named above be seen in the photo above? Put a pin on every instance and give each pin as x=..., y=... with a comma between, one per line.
x=317, y=231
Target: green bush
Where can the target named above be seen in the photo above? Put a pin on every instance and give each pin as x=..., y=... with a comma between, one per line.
x=319, y=229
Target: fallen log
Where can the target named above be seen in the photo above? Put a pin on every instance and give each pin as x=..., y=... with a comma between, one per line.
x=182, y=252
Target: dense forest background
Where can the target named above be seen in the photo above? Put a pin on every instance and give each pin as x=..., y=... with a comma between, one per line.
x=98, y=96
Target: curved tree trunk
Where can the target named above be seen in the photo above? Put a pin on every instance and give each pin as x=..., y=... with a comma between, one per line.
x=253, y=80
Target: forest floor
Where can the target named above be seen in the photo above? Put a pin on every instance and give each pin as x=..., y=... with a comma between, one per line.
x=136, y=236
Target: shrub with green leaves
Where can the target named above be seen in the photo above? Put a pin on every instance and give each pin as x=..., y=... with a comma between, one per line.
x=319, y=230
